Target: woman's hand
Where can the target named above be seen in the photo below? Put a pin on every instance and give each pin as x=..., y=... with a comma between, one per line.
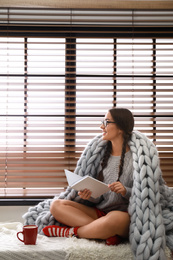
x=117, y=187
x=85, y=194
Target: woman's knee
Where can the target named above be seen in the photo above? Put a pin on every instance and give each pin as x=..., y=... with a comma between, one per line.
x=118, y=217
x=56, y=206
x=60, y=204
x=120, y=221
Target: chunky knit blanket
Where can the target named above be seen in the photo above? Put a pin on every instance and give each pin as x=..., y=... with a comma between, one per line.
x=151, y=202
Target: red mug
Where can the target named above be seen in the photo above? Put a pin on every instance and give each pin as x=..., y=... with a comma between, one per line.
x=29, y=234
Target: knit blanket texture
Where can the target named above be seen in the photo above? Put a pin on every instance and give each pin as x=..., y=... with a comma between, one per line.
x=151, y=202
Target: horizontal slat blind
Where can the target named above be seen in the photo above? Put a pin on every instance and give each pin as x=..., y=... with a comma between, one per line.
x=80, y=17
x=60, y=71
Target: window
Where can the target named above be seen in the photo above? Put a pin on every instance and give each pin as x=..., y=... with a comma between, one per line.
x=60, y=71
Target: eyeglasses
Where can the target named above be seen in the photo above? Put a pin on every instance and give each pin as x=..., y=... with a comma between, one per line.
x=106, y=122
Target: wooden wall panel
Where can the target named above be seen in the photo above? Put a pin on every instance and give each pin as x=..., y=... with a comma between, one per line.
x=90, y=4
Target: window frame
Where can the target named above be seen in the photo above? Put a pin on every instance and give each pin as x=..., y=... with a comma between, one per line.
x=73, y=32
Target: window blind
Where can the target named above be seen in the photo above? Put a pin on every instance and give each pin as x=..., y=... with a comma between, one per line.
x=60, y=71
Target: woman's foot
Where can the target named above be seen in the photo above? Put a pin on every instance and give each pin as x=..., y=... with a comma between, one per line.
x=115, y=240
x=57, y=231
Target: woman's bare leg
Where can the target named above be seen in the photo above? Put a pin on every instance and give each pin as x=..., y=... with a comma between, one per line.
x=90, y=226
x=114, y=223
x=72, y=213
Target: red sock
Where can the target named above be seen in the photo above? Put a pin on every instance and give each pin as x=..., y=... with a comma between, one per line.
x=115, y=240
x=57, y=231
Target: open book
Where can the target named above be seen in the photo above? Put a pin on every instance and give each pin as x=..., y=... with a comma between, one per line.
x=87, y=182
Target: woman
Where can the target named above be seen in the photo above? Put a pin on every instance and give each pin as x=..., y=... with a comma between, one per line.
x=108, y=217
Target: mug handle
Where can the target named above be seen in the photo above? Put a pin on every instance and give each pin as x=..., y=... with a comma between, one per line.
x=19, y=237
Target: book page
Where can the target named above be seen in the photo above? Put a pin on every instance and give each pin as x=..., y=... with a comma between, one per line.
x=87, y=182
x=72, y=177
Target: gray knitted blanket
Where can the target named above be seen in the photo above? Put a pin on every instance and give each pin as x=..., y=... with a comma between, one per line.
x=151, y=202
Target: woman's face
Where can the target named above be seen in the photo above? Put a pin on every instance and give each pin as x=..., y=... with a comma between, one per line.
x=110, y=132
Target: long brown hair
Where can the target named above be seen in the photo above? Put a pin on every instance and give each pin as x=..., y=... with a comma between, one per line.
x=125, y=122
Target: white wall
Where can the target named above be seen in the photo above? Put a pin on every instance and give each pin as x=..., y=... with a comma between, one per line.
x=12, y=213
